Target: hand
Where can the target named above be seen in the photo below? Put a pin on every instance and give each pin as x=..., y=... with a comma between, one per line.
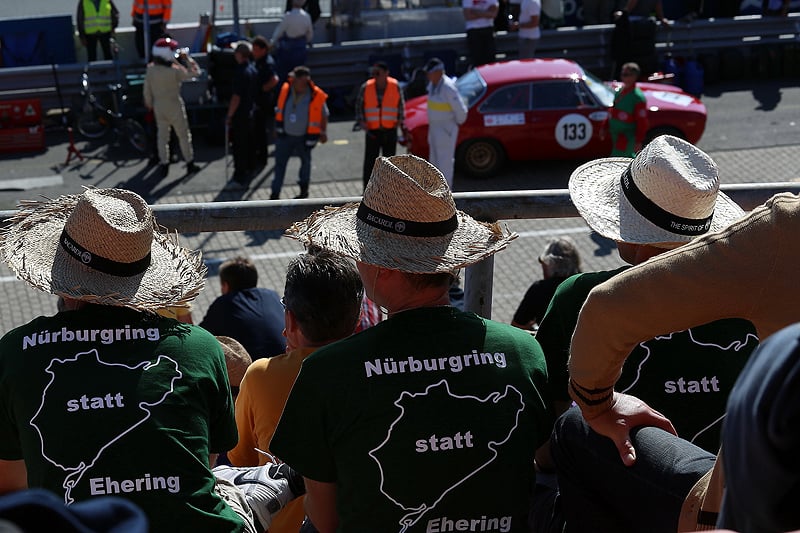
x=626, y=413
x=323, y=137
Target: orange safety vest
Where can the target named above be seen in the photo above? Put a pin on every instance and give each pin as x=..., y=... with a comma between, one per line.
x=382, y=114
x=315, y=107
x=158, y=10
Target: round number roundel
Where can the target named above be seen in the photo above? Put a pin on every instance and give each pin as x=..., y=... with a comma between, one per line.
x=573, y=131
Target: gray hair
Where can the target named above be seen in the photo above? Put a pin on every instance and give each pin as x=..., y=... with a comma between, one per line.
x=561, y=256
x=323, y=291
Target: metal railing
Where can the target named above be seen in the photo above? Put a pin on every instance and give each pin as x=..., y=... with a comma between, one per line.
x=271, y=215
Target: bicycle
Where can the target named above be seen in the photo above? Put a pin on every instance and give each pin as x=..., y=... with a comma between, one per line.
x=96, y=118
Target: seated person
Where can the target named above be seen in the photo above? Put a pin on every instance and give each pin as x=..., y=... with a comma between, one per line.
x=323, y=296
x=639, y=473
x=656, y=202
x=559, y=260
x=250, y=314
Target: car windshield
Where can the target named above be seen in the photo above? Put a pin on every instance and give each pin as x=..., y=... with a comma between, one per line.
x=471, y=87
x=603, y=92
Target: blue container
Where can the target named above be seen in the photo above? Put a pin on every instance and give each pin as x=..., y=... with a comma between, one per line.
x=671, y=66
x=693, y=77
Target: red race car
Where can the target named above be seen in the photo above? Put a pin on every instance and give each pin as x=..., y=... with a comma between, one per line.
x=545, y=109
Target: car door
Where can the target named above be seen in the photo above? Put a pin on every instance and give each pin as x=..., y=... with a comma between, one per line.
x=504, y=117
x=567, y=122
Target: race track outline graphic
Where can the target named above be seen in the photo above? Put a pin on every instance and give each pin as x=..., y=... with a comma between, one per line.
x=734, y=345
x=414, y=514
x=76, y=472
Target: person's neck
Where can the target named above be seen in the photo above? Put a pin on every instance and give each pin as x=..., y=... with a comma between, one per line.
x=407, y=304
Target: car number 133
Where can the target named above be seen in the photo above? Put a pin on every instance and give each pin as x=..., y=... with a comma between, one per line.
x=573, y=131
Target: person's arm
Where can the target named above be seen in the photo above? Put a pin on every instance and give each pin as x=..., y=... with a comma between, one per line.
x=745, y=271
x=80, y=23
x=401, y=108
x=360, y=118
x=270, y=83
x=13, y=476
x=147, y=93
x=310, y=31
x=114, y=17
x=323, y=135
x=320, y=505
x=233, y=105
x=532, y=23
x=474, y=13
x=458, y=105
x=279, y=30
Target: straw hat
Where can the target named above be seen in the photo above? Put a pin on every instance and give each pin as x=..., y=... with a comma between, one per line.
x=668, y=194
x=102, y=246
x=236, y=359
x=407, y=221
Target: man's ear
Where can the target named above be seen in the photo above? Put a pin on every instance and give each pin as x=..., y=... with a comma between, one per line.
x=224, y=287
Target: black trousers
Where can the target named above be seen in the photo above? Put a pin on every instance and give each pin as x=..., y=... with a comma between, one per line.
x=91, y=45
x=263, y=124
x=243, y=152
x=378, y=142
x=480, y=44
x=156, y=30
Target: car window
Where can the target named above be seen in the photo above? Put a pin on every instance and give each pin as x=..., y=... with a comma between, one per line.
x=602, y=91
x=555, y=95
x=471, y=87
x=507, y=99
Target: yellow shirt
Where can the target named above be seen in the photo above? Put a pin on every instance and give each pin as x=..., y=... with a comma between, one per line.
x=262, y=395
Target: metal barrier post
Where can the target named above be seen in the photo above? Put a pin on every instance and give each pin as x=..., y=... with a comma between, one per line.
x=478, y=287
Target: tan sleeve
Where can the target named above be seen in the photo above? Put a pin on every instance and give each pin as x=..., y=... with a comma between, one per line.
x=744, y=271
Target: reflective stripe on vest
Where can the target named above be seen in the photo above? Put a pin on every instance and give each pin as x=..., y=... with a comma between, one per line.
x=379, y=114
x=158, y=10
x=97, y=20
x=439, y=106
x=315, y=107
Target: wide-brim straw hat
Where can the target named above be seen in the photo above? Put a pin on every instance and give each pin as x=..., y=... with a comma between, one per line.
x=407, y=221
x=668, y=194
x=102, y=246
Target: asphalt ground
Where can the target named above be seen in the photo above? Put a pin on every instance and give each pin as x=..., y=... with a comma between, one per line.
x=752, y=135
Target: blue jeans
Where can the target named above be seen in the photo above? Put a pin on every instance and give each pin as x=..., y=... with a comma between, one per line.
x=285, y=147
x=600, y=494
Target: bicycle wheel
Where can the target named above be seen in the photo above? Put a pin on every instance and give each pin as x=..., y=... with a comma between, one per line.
x=136, y=134
x=92, y=125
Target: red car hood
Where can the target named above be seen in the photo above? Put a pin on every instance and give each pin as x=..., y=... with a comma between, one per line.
x=668, y=97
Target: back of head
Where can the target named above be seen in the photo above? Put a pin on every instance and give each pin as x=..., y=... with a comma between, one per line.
x=323, y=291
x=561, y=257
x=244, y=49
x=434, y=64
x=237, y=359
x=239, y=273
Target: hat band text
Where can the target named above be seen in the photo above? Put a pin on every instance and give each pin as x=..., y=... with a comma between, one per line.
x=409, y=228
x=660, y=217
x=102, y=264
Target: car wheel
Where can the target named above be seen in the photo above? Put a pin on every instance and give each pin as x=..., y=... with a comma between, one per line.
x=480, y=158
x=663, y=130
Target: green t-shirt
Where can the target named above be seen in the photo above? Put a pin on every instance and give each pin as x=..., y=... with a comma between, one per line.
x=686, y=375
x=428, y=420
x=110, y=401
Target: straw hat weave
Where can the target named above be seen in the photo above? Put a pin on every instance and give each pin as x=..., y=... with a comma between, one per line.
x=102, y=246
x=668, y=194
x=407, y=221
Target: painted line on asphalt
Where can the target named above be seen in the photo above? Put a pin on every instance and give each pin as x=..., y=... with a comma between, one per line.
x=25, y=184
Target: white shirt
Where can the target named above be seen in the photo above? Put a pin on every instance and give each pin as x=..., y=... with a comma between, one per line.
x=483, y=5
x=295, y=23
x=527, y=10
